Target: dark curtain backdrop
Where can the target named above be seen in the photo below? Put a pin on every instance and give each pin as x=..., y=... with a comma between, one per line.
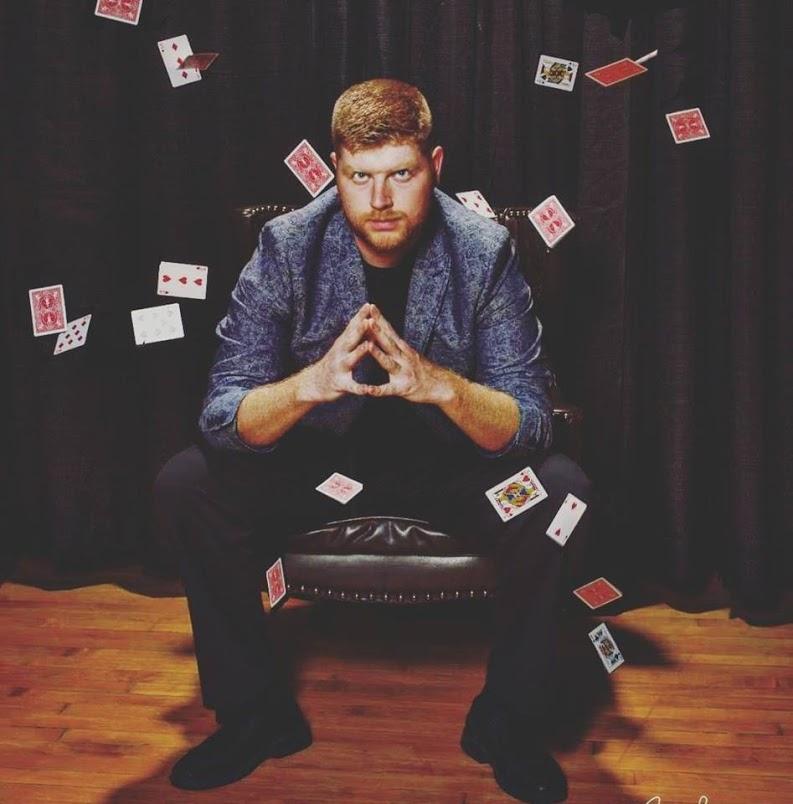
x=678, y=338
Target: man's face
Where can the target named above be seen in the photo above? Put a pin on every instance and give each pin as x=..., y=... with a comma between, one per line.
x=386, y=193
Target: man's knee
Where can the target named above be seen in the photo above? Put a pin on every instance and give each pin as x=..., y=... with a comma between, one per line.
x=561, y=475
x=185, y=472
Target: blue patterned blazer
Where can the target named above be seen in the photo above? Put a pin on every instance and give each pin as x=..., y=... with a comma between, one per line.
x=469, y=309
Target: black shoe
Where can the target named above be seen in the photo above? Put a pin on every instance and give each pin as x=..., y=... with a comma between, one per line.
x=239, y=746
x=522, y=767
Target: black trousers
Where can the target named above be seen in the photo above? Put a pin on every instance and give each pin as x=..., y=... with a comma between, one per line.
x=228, y=515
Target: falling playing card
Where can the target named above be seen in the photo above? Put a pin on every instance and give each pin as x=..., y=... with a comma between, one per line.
x=182, y=279
x=153, y=324
x=617, y=71
x=516, y=494
x=607, y=649
x=74, y=336
x=571, y=510
x=475, y=201
x=276, y=586
x=551, y=220
x=556, y=73
x=174, y=51
x=340, y=487
x=199, y=61
x=48, y=310
x=309, y=168
x=119, y=10
x=597, y=593
x=687, y=125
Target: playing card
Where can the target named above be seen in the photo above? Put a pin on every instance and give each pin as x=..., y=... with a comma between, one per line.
x=199, y=61
x=597, y=593
x=607, y=649
x=174, y=51
x=516, y=494
x=556, y=73
x=74, y=336
x=48, y=310
x=475, y=201
x=182, y=279
x=567, y=517
x=160, y=323
x=551, y=220
x=610, y=74
x=309, y=168
x=687, y=125
x=119, y=10
x=340, y=487
x=276, y=585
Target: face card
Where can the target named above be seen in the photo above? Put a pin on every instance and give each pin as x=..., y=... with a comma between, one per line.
x=567, y=517
x=475, y=201
x=75, y=335
x=276, y=585
x=160, y=323
x=551, y=220
x=607, y=649
x=119, y=10
x=516, y=494
x=182, y=279
x=309, y=168
x=174, y=51
x=199, y=61
x=48, y=310
x=597, y=593
x=617, y=71
x=556, y=73
x=687, y=125
x=339, y=487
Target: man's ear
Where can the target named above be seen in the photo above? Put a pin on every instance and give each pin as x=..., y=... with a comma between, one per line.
x=437, y=162
x=333, y=160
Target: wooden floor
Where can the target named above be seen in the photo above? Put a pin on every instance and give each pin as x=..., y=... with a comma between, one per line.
x=98, y=697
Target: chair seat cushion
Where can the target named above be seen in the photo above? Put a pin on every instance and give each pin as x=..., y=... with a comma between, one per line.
x=378, y=536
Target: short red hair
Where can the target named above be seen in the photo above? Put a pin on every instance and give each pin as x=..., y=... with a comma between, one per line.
x=382, y=110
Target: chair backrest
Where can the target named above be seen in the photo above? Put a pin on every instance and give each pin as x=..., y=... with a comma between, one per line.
x=544, y=269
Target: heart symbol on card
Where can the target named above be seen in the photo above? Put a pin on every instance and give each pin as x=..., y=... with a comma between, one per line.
x=199, y=281
x=183, y=280
x=166, y=278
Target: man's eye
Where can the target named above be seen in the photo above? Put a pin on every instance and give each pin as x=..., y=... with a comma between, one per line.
x=403, y=174
x=358, y=176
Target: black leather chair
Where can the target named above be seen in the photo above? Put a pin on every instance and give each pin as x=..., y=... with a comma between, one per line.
x=405, y=561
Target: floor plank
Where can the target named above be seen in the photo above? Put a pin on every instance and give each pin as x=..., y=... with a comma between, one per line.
x=99, y=696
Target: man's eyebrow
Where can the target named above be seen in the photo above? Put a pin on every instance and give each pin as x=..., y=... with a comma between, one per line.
x=407, y=165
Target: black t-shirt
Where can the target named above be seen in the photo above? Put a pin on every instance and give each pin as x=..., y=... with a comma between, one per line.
x=388, y=289
x=385, y=422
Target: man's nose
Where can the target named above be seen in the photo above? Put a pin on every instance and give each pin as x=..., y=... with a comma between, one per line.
x=381, y=195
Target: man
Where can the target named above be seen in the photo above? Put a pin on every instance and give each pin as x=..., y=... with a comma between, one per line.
x=385, y=332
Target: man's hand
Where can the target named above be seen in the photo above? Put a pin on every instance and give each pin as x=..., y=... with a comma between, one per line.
x=410, y=374
x=331, y=376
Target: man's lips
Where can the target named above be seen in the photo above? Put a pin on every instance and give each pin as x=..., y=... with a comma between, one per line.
x=384, y=223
